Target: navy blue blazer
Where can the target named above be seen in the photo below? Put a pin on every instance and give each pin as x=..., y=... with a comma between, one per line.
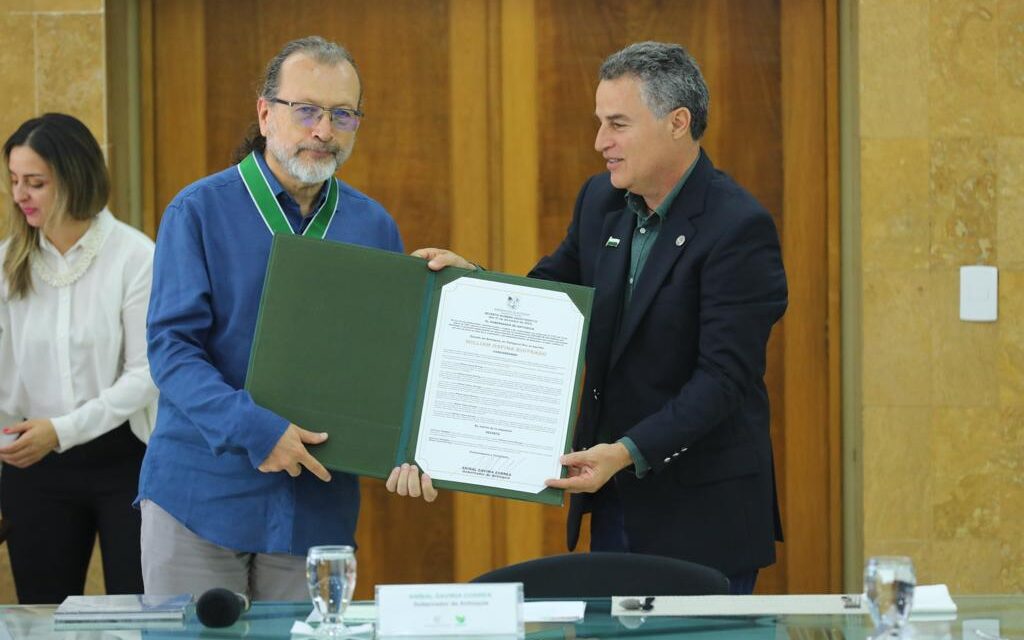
x=682, y=371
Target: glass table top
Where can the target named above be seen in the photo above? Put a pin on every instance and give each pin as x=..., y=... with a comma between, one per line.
x=274, y=620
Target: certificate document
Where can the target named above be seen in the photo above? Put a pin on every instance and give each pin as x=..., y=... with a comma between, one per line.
x=500, y=383
x=473, y=375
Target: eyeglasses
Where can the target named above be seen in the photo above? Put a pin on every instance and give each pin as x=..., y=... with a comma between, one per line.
x=308, y=115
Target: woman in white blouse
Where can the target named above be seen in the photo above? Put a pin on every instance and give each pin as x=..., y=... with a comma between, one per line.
x=73, y=369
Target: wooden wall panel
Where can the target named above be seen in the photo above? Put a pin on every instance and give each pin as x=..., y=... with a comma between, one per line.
x=519, y=135
x=813, y=452
x=236, y=60
x=479, y=132
x=836, y=578
x=524, y=526
x=573, y=38
x=179, y=98
x=474, y=112
x=148, y=117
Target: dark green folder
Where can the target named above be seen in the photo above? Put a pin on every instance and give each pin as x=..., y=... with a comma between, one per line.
x=343, y=345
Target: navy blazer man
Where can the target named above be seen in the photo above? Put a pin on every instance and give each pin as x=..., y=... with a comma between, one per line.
x=680, y=371
x=672, y=452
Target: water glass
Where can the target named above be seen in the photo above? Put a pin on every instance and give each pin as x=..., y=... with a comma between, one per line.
x=889, y=589
x=331, y=576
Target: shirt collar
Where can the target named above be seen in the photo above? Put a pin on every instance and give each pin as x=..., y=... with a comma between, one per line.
x=96, y=226
x=638, y=206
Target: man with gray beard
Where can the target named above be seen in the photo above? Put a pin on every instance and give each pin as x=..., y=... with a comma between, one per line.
x=230, y=496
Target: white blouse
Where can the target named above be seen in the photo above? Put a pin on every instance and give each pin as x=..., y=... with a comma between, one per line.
x=74, y=348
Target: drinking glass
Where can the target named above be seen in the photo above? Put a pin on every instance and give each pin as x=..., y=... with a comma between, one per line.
x=331, y=576
x=889, y=589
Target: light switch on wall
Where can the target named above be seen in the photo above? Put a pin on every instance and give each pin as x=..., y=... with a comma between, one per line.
x=979, y=293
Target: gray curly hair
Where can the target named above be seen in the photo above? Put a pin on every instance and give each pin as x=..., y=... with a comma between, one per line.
x=669, y=76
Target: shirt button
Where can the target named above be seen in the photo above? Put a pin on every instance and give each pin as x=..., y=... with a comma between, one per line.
x=631, y=281
x=668, y=460
x=643, y=229
x=597, y=393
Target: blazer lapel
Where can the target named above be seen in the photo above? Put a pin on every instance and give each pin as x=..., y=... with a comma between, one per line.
x=676, y=233
x=609, y=279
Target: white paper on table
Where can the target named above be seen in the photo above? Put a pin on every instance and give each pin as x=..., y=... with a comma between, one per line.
x=814, y=604
x=932, y=602
x=547, y=611
x=355, y=613
x=554, y=611
x=300, y=628
x=359, y=612
x=499, y=392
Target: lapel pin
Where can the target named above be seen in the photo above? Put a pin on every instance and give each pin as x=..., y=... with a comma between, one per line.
x=680, y=240
x=612, y=242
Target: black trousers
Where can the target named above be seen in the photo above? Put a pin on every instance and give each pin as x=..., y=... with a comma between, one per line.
x=56, y=507
x=608, y=533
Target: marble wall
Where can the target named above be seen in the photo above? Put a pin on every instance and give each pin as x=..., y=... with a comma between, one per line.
x=52, y=59
x=941, y=126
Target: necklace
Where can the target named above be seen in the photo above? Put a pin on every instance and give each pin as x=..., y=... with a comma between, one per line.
x=90, y=245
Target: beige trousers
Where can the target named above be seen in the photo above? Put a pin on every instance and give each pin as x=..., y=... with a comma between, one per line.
x=175, y=560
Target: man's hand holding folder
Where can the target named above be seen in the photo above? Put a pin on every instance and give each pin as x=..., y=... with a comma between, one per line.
x=290, y=454
x=407, y=481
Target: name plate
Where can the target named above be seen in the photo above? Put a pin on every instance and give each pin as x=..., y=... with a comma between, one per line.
x=494, y=609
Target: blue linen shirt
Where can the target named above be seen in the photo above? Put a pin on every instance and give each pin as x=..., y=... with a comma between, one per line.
x=210, y=437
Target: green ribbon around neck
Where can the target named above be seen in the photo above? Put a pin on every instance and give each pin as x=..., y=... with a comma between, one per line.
x=270, y=208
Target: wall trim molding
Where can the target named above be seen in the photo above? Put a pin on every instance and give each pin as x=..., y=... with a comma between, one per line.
x=852, y=336
x=124, y=110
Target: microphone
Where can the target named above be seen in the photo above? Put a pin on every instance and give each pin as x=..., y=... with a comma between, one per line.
x=220, y=607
